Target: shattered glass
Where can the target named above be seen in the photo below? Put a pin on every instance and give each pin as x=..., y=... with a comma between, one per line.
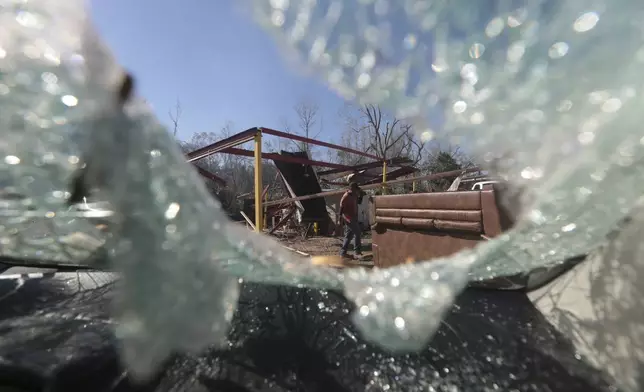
x=545, y=92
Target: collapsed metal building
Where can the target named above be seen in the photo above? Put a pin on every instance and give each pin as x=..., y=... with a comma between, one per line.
x=314, y=186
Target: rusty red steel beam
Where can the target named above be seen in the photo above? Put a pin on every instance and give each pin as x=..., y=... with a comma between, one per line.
x=221, y=145
x=435, y=176
x=227, y=146
x=249, y=134
x=369, y=165
x=211, y=176
x=283, y=158
x=303, y=139
x=392, y=175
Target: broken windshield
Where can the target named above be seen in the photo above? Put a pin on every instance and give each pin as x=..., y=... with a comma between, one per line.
x=530, y=86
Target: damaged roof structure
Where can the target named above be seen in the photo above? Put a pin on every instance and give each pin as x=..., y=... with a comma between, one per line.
x=299, y=175
x=313, y=186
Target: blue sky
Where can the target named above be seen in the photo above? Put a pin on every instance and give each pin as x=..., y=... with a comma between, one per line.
x=214, y=59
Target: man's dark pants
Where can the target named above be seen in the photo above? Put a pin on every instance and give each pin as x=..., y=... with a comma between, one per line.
x=351, y=231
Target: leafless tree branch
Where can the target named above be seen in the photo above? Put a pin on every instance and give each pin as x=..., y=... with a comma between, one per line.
x=175, y=115
x=307, y=114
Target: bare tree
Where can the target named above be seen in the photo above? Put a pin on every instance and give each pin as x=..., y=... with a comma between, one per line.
x=281, y=143
x=307, y=115
x=286, y=125
x=384, y=136
x=390, y=137
x=410, y=146
x=354, y=140
x=369, y=128
x=175, y=115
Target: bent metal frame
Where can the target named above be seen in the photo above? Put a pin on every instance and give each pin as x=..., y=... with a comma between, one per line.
x=229, y=144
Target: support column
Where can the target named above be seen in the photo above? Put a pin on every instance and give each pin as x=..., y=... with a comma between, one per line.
x=259, y=202
x=384, y=177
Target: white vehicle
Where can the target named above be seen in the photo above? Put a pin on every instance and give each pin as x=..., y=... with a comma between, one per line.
x=480, y=185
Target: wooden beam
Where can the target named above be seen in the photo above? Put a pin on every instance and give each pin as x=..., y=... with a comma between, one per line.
x=283, y=221
x=252, y=225
x=299, y=252
x=429, y=177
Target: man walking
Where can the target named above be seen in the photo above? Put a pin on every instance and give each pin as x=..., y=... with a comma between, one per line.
x=349, y=214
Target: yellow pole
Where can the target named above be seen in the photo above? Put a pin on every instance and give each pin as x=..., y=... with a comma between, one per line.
x=413, y=187
x=259, y=220
x=384, y=177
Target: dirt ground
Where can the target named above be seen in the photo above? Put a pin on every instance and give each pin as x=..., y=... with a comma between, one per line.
x=324, y=246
